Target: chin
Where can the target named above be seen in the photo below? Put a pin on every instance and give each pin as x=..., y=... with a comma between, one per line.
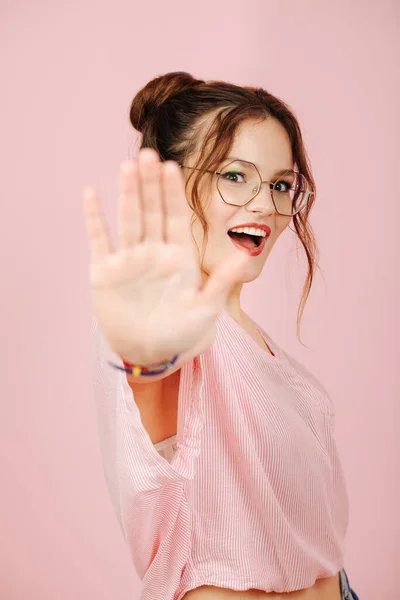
x=249, y=275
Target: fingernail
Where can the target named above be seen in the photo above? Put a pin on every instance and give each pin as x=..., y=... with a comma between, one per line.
x=87, y=192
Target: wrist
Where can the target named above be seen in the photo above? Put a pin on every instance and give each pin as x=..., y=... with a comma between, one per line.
x=146, y=370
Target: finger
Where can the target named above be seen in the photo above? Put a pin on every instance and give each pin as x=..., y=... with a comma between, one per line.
x=150, y=193
x=130, y=217
x=98, y=235
x=177, y=210
x=220, y=282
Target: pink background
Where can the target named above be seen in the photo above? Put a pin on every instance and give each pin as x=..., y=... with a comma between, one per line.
x=69, y=71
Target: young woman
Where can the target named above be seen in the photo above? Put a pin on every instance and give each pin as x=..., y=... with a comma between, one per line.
x=218, y=447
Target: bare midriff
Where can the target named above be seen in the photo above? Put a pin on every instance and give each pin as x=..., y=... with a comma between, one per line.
x=323, y=589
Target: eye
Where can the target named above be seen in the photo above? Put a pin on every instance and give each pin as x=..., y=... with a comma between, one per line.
x=233, y=176
x=282, y=186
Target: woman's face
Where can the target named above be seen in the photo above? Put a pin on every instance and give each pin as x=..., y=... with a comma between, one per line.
x=267, y=145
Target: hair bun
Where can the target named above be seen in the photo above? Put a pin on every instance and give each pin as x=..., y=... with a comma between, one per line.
x=155, y=92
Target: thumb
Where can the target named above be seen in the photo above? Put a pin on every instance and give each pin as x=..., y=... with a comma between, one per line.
x=220, y=282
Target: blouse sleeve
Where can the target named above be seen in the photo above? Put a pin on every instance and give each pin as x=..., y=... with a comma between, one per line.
x=148, y=493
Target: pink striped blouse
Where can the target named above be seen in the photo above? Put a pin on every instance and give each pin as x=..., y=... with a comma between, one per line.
x=254, y=494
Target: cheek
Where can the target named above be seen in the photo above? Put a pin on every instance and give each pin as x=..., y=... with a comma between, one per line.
x=218, y=215
x=281, y=224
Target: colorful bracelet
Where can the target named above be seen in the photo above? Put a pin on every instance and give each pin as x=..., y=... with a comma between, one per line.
x=138, y=371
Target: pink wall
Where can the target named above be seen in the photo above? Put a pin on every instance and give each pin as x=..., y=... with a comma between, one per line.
x=69, y=71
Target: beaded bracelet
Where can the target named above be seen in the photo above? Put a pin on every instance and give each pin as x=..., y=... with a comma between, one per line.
x=139, y=371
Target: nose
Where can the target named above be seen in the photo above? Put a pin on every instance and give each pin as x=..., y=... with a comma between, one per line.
x=262, y=202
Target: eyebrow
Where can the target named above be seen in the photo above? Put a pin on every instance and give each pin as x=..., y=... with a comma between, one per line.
x=276, y=174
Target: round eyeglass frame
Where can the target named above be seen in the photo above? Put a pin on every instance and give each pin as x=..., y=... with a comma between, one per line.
x=270, y=183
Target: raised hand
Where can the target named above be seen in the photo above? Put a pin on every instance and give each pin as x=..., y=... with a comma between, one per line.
x=147, y=294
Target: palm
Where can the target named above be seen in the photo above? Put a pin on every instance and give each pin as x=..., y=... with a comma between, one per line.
x=147, y=294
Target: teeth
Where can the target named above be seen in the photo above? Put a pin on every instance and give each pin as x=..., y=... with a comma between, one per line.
x=250, y=230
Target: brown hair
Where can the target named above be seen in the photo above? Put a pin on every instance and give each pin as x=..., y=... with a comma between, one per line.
x=169, y=112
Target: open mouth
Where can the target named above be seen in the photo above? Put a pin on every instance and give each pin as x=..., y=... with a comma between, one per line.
x=246, y=239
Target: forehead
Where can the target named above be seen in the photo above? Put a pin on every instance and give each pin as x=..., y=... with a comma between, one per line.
x=265, y=143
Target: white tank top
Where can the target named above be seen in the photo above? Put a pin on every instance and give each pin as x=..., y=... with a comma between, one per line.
x=167, y=448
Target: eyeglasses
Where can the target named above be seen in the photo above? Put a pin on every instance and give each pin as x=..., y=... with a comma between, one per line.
x=240, y=181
